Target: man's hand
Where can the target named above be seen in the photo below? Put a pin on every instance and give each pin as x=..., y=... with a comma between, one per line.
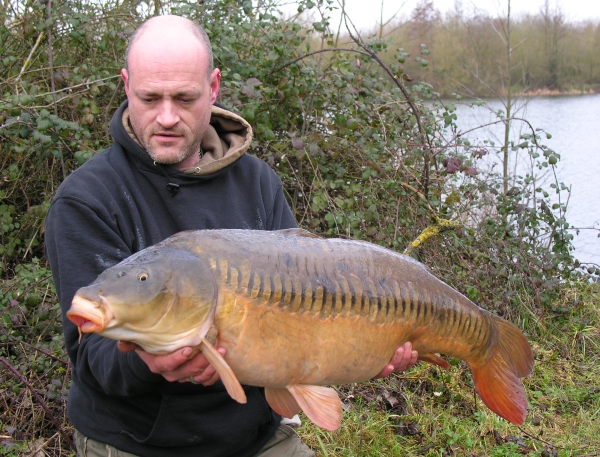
x=183, y=365
x=403, y=359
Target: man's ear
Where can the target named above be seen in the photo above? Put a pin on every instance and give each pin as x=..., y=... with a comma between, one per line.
x=125, y=78
x=215, y=84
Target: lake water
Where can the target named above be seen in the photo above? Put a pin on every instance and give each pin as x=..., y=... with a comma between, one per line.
x=574, y=123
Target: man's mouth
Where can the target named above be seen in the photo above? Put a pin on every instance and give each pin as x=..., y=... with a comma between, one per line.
x=166, y=137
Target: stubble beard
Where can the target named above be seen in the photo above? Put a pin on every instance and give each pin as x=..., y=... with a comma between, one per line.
x=172, y=158
x=166, y=155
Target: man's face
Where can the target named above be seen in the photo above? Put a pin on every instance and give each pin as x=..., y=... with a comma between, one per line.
x=170, y=98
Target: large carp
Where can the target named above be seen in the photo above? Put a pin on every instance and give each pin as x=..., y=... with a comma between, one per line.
x=296, y=312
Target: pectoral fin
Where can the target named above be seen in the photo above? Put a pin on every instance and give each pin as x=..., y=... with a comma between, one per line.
x=282, y=401
x=322, y=405
x=234, y=389
x=435, y=359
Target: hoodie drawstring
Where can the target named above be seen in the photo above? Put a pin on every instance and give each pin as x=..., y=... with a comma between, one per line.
x=173, y=187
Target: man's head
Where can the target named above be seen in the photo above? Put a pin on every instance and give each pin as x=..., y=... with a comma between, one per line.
x=171, y=86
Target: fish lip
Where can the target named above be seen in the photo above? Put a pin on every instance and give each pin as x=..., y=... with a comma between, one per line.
x=89, y=315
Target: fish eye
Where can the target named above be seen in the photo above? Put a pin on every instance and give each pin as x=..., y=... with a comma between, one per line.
x=143, y=276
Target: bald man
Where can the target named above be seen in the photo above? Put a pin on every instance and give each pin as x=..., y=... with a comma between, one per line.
x=178, y=162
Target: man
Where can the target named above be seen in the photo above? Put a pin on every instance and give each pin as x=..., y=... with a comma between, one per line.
x=177, y=163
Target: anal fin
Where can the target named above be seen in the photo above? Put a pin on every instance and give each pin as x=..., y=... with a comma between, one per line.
x=434, y=359
x=282, y=401
x=230, y=381
x=321, y=405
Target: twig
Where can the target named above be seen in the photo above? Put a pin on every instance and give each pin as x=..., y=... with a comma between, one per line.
x=17, y=341
x=28, y=60
x=64, y=89
x=30, y=243
x=40, y=400
x=539, y=439
x=317, y=52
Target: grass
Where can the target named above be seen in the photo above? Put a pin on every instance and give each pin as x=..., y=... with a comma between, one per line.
x=429, y=412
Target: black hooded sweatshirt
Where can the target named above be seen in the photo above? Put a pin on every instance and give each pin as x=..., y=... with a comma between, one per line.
x=116, y=204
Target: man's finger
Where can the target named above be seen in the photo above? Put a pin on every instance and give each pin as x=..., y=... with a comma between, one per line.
x=167, y=363
x=127, y=346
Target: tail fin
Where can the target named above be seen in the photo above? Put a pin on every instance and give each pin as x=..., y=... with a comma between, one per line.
x=497, y=379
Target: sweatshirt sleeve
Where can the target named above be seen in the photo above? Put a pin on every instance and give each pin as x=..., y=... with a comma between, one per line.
x=280, y=215
x=81, y=242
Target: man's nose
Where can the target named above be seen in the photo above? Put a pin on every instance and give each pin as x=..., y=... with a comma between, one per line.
x=167, y=114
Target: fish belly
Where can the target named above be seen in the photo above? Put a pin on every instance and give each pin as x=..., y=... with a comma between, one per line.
x=275, y=348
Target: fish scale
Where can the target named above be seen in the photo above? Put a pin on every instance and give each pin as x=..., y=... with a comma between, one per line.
x=296, y=312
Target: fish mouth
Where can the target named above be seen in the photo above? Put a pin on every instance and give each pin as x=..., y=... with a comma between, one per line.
x=87, y=315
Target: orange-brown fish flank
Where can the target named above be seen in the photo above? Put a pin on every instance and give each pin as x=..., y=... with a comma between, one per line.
x=482, y=332
x=345, y=299
x=397, y=300
x=355, y=292
x=453, y=318
x=307, y=293
x=254, y=285
x=277, y=290
x=244, y=277
x=266, y=287
x=232, y=276
x=384, y=304
x=286, y=290
x=325, y=310
x=295, y=312
x=318, y=299
x=426, y=311
x=461, y=318
x=223, y=267
x=297, y=295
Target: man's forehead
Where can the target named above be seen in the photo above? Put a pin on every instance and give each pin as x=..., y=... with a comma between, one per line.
x=168, y=49
x=161, y=89
x=162, y=63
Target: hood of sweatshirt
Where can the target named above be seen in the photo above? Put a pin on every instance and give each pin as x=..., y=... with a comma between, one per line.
x=226, y=139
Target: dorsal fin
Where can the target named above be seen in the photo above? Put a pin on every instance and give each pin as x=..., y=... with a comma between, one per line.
x=297, y=232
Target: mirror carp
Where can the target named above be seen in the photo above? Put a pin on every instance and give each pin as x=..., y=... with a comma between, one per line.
x=297, y=312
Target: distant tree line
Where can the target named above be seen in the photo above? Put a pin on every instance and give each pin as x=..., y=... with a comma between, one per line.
x=465, y=52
